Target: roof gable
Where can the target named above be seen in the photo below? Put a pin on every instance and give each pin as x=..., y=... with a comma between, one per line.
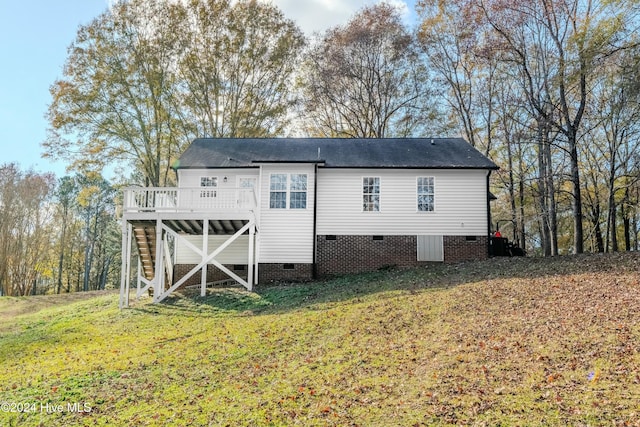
x=432, y=153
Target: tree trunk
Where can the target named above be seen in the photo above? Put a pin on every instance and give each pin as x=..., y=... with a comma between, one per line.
x=634, y=232
x=578, y=233
x=523, y=241
x=614, y=227
x=545, y=239
x=595, y=218
x=551, y=193
x=626, y=221
x=512, y=195
x=62, y=245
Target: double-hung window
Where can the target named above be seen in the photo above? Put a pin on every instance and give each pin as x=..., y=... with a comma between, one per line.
x=278, y=191
x=371, y=194
x=426, y=194
x=298, y=191
x=288, y=190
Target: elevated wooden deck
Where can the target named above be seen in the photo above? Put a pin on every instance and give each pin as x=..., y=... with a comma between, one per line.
x=184, y=204
x=151, y=214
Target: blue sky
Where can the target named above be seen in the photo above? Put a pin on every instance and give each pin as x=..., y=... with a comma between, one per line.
x=34, y=37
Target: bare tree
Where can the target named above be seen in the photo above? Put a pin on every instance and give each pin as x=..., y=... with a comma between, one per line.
x=366, y=79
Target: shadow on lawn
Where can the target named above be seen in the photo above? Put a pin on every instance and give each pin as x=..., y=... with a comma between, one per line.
x=285, y=297
x=380, y=284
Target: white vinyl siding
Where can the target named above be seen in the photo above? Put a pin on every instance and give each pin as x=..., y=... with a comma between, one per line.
x=235, y=253
x=286, y=235
x=460, y=195
x=193, y=178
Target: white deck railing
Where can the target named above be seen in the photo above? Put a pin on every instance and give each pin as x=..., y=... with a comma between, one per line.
x=166, y=199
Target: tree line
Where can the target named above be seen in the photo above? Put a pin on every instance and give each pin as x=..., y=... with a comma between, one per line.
x=547, y=88
x=56, y=235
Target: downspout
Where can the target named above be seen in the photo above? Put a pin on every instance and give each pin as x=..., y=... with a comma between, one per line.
x=314, y=271
x=488, y=217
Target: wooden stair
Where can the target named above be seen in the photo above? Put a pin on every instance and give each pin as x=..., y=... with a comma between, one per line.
x=145, y=237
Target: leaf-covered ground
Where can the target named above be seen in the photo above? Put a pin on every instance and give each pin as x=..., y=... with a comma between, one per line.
x=501, y=342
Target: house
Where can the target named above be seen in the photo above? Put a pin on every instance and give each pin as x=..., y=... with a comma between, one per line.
x=257, y=210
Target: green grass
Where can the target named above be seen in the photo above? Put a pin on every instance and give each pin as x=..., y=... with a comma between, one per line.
x=501, y=342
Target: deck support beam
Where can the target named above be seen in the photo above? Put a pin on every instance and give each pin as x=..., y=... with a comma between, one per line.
x=126, y=265
x=251, y=256
x=165, y=229
x=159, y=272
x=207, y=258
x=205, y=251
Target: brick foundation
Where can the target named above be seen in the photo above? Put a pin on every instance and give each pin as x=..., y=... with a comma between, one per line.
x=464, y=248
x=269, y=273
x=351, y=254
x=355, y=254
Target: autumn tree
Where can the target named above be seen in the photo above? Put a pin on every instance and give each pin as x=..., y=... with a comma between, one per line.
x=366, y=79
x=65, y=195
x=146, y=77
x=237, y=66
x=25, y=229
x=611, y=152
x=551, y=49
x=458, y=50
x=115, y=101
x=96, y=207
x=569, y=38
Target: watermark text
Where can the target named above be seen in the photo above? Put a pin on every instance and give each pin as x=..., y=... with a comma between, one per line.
x=45, y=407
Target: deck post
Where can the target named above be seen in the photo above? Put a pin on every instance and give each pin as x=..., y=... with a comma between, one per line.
x=125, y=263
x=157, y=279
x=139, y=274
x=252, y=235
x=128, y=278
x=256, y=260
x=205, y=252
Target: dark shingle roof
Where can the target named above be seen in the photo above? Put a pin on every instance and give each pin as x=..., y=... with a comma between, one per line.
x=434, y=153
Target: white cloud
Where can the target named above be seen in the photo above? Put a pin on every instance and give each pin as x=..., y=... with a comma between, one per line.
x=319, y=15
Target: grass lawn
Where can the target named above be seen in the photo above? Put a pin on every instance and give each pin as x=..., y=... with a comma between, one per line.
x=500, y=342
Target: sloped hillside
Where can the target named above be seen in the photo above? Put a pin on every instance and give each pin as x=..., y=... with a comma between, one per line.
x=500, y=342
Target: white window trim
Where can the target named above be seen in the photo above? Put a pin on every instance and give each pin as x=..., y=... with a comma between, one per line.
x=362, y=194
x=288, y=191
x=434, y=195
